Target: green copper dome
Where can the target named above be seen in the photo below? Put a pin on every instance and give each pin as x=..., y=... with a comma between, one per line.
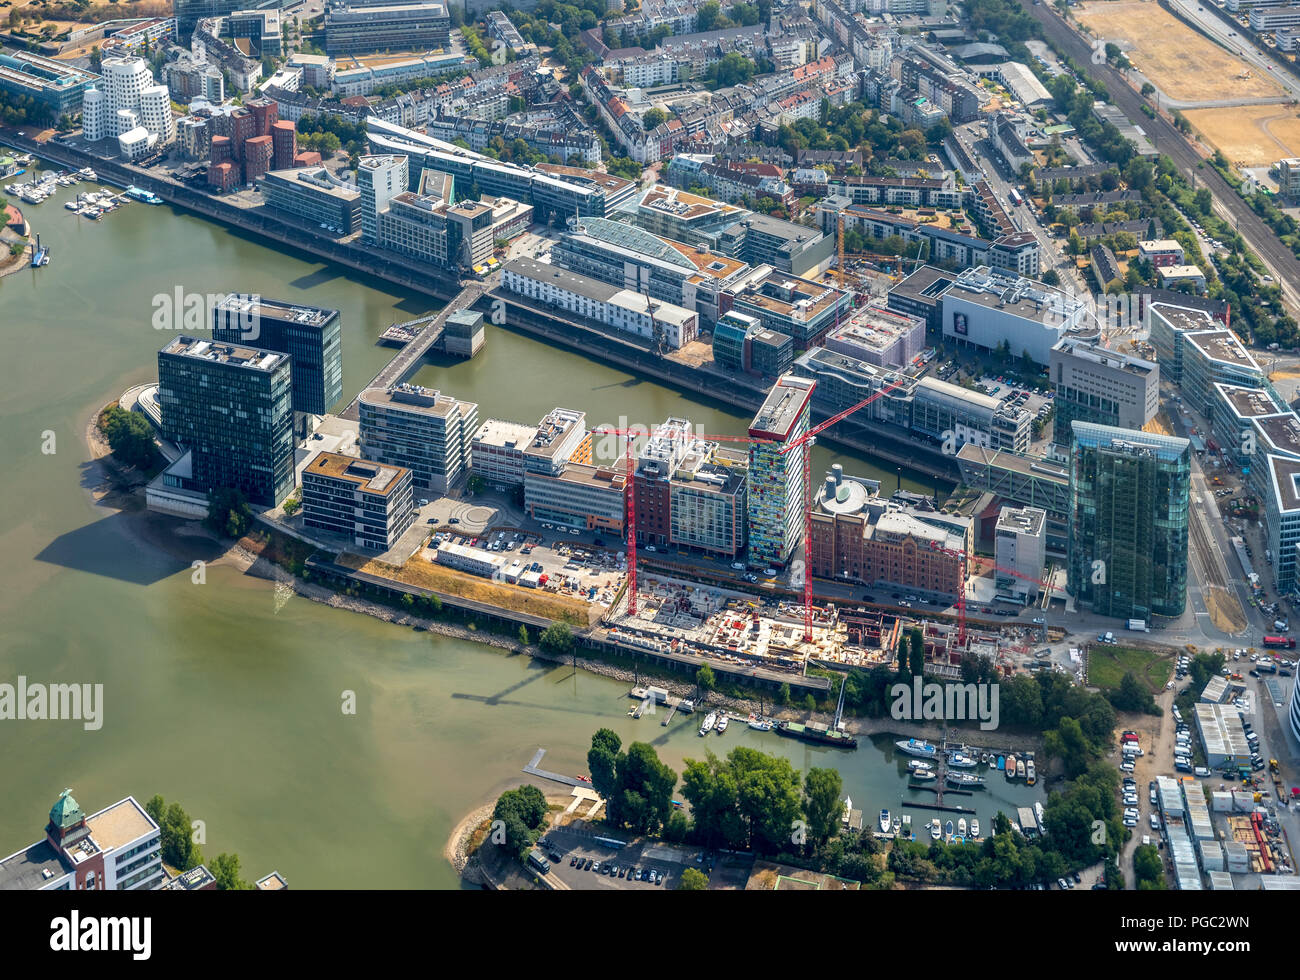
x=66, y=813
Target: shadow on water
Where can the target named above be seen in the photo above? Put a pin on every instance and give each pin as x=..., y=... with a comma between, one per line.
x=108, y=548
x=320, y=277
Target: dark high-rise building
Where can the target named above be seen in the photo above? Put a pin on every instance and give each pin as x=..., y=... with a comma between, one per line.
x=229, y=406
x=1129, y=493
x=310, y=335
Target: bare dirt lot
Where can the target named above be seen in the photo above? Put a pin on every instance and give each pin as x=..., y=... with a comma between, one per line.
x=1250, y=135
x=1181, y=63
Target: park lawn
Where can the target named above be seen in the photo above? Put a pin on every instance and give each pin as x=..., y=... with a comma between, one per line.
x=1107, y=666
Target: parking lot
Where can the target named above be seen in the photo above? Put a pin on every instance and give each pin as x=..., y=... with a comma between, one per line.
x=597, y=855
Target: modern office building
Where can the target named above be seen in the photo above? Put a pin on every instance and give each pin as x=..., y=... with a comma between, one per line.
x=230, y=407
x=1216, y=357
x=953, y=415
x=1235, y=409
x=1170, y=326
x=380, y=178
x=190, y=12
x=1020, y=547
x=795, y=249
x=689, y=493
x=672, y=213
x=370, y=503
x=1026, y=481
x=312, y=337
x=776, y=482
x=124, y=101
x=559, y=439
x=1129, y=495
x=116, y=849
x=879, y=336
x=741, y=343
x=987, y=309
x=629, y=257
x=1274, y=478
x=844, y=381
x=497, y=452
x=805, y=310
x=361, y=28
x=1096, y=384
x=586, y=496
x=420, y=429
x=664, y=325
x=56, y=85
x=313, y=194
x=464, y=333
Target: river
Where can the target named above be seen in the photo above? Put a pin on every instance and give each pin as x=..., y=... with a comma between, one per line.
x=226, y=696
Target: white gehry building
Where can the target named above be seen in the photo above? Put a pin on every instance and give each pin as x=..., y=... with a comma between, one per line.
x=127, y=98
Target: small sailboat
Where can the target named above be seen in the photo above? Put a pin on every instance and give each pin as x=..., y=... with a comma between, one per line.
x=848, y=809
x=709, y=721
x=961, y=827
x=760, y=725
x=935, y=830
x=884, y=821
x=722, y=723
x=975, y=827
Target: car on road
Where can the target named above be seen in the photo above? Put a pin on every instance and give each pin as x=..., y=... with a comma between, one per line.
x=738, y=565
x=768, y=571
x=1039, y=621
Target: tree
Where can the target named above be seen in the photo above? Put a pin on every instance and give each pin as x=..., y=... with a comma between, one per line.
x=130, y=437
x=822, y=804
x=767, y=797
x=643, y=798
x=693, y=879
x=916, y=655
x=523, y=636
x=809, y=703
x=1050, y=278
x=225, y=869
x=176, y=833
x=228, y=512
x=1148, y=869
x=557, y=638
x=602, y=760
x=522, y=812
x=783, y=695
x=475, y=484
x=653, y=118
x=704, y=678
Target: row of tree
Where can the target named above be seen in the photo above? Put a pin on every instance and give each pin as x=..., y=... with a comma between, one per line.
x=181, y=851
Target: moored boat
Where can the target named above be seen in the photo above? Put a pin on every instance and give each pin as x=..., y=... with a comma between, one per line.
x=961, y=827
x=960, y=760
x=975, y=827
x=817, y=733
x=947, y=828
x=722, y=723
x=935, y=830
x=907, y=824
x=687, y=706
x=964, y=780
x=1011, y=767
x=1020, y=768
x=925, y=775
x=760, y=725
x=1038, y=812
x=993, y=761
x=1002, y=762
x=916, y=765
x=884, y=821
x=1031, y=775
x=710, y=720
x=918, y=747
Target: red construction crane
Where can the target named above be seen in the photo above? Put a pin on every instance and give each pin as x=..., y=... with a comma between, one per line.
x=966, y=557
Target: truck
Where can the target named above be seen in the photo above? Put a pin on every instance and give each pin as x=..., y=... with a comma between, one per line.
x=1279, y=642
x=1138, y=626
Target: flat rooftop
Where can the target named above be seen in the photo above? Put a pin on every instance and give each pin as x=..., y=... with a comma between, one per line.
x=1013, y=463
x=1281, y=432
x=1022, y=520
x=504, y=434
x=1105, y=357
x=273, y=882
x=119, y=824
x=708, y=263
x=412, y=398
x=679, y=204
x=1185, y=318
x=1180, y=272
x=1248, y=403
x=553, y=429
x=234, y=355
x=610, y=183
x=928, y=283
x=875, y=327
x=313, y=316
x=782, y=407
x=379, y=479
x=1222, y=345
x=1286, y=481
x=790, y=296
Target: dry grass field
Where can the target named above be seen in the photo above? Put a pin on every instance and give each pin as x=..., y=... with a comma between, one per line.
x=1250, y=136
x=1181, y=63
